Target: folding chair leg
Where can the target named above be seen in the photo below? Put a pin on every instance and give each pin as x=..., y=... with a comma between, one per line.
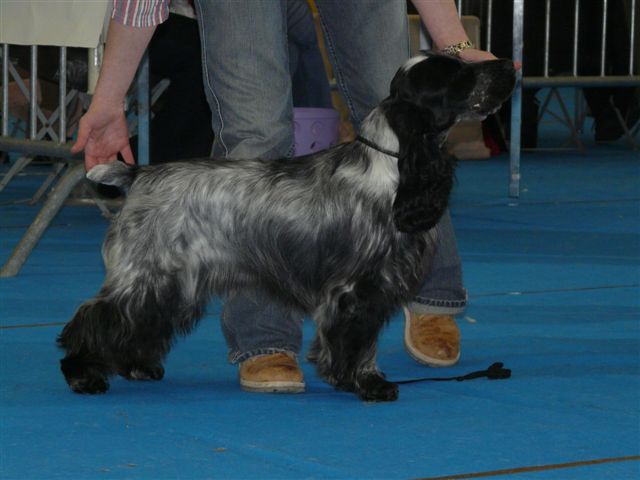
x=46, y=214
x=16, y=168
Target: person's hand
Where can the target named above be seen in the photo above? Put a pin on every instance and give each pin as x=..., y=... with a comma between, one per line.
x=102, y=134
x=475, y=55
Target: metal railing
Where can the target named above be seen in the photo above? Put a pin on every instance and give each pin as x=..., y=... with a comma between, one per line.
x=572, y=78
x=42, y=139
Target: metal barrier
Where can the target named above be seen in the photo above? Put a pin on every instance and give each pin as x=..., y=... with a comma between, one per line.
x=35, y=134
x=40, y=127
x=572, y=78
x=58, y=148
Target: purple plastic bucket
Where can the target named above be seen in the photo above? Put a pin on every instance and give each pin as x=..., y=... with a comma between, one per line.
x=315, y=129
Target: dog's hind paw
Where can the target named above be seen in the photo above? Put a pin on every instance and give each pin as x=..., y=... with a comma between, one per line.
x=147, y=372
x=91, y=385
x=374, y=388
x=84, y=377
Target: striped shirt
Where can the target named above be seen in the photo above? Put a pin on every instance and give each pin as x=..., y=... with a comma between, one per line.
x=140, y=13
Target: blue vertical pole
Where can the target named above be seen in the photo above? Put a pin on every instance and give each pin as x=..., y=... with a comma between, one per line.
x=143, y=111
x=516, y=102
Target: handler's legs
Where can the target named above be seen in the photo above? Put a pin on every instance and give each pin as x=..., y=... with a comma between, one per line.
x=248, y=85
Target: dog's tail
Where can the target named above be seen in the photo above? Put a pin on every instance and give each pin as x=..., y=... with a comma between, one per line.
x=116, y=173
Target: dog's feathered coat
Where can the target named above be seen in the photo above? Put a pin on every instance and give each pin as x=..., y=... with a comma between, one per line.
x=343, y=235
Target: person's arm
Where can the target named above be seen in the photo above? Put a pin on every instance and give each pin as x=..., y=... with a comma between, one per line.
x=124, y=49
x=103, y=131
x=440, y=17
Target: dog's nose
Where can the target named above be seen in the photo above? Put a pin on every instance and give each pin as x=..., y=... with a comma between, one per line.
x=504, y=64
x=509, y=66
x=503, y=69
x=499, y=68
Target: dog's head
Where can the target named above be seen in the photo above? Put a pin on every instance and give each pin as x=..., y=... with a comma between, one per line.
x=442, y=90
x=429, y=94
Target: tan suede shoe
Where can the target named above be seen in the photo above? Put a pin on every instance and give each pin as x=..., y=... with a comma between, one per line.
x=433, y=340
x=273, y=373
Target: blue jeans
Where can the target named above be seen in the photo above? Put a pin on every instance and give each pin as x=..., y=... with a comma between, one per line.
x=309, y=84
x=248, y=85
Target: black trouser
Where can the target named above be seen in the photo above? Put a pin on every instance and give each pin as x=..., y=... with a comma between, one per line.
x=181, y=127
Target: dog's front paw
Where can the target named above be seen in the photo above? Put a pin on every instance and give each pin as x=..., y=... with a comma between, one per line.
x=84, y=377
x=146, y=372
x=374, y=388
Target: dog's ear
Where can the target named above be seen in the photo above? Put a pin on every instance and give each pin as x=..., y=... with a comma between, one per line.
x=426, y=179
x=422, y=87
x=400, y=88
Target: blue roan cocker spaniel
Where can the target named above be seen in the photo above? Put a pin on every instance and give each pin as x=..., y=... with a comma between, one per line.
x=345, y=235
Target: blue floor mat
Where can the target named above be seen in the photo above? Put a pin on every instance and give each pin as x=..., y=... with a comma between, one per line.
x=554, y=287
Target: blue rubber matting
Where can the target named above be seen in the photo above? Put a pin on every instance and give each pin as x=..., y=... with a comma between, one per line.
x=554, y=285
